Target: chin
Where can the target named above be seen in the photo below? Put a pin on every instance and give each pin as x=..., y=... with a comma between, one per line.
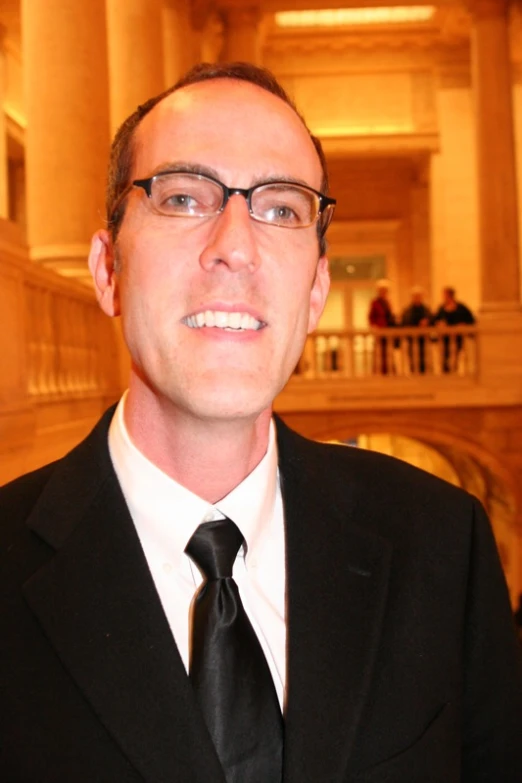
x=234, y=403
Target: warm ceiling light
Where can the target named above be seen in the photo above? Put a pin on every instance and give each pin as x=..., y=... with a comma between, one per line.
x=334, y=17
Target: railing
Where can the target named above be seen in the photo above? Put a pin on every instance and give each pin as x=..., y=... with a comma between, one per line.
x=57, y=343
x=59, y=365
x=445, y=351
x=70, y=344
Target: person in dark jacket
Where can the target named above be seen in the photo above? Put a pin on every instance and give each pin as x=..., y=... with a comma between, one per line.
x=417, y=314
x=452, y=313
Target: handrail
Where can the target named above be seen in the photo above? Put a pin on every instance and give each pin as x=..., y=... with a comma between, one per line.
x=444, y=351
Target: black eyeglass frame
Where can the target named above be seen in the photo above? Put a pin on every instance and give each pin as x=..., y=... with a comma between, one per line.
x=324, y=215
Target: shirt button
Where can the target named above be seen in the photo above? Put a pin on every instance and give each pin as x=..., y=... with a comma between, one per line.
x=209, y=516
x=167, y=568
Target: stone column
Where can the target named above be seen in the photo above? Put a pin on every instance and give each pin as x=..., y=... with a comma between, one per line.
x=421, y=229
x=4, y=181
x=242, y=34
x=180, y=45
x=67, y=139
x=136, y=68
x=211, y=38
x=498, y=210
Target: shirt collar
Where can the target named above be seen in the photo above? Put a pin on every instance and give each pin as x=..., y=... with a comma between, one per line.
x=168, y=514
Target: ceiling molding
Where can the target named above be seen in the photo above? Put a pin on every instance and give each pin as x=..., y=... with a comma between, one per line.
x=401, y=144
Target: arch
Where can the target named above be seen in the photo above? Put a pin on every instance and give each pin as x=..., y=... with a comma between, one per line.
x=430, y=427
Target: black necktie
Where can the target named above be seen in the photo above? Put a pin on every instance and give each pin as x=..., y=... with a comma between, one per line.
x=228, y=669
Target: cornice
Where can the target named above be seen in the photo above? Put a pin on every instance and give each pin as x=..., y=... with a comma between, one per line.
x=451, y=26
x=334, y=43
x=406, y=144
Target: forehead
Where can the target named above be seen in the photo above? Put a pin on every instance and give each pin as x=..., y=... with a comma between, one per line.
x=235, y=127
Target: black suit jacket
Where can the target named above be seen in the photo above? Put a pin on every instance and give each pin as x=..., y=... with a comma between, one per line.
x=402, y=660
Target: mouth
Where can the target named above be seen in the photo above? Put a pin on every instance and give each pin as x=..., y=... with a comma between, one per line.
x=219, y=319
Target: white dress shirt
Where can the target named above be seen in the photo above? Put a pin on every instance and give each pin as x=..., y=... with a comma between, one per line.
x=166, y=515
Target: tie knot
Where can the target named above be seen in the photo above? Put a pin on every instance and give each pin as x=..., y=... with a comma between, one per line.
x=214, y=547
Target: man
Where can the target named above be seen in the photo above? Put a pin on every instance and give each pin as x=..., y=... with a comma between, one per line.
x=380, y=316
x=374, y=595
x=452, y=313
x=416, y=314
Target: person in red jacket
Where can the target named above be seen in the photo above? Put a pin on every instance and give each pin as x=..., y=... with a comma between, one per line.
x=381, y=316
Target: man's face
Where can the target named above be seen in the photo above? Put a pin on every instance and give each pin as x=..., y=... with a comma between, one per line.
x=173, y=269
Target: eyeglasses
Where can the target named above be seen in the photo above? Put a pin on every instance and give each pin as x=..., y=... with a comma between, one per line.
x=190, y=195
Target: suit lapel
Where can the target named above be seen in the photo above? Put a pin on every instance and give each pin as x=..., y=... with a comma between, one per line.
x=97, y=603
x=334, y=613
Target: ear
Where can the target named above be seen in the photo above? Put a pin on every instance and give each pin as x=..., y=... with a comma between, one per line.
x=101, y=265
x=319, y=293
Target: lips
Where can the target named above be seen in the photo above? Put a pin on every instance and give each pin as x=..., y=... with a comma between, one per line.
x=220, y=319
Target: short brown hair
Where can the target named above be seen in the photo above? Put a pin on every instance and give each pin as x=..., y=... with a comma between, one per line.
x=122, y=149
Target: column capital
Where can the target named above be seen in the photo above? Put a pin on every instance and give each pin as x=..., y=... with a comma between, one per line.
x=487, y=9
x=242, y=16
x=242, y=30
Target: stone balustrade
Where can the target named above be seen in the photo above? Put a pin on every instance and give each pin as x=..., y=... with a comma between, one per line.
x=400, y=352
x=59, y=362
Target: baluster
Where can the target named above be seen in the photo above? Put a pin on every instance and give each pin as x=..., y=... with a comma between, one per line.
x=320, y=350
x=31, y=301
x=346, y=354
x=453, y=353
x=371, y=350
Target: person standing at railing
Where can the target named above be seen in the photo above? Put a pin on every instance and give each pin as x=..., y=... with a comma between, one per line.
x=452, y=313
x=417, y=314
x=381, y=316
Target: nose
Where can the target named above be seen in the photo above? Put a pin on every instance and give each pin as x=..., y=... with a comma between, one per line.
x=231, y=241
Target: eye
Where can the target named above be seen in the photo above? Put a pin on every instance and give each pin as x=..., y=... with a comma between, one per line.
x=283, y=205
x=184, y=194
x=179, y=202
x=282, y=214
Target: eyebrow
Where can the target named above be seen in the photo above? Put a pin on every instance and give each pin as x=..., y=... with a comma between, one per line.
x=208, y=171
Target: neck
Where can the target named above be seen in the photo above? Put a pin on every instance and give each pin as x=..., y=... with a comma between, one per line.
x=208, y=457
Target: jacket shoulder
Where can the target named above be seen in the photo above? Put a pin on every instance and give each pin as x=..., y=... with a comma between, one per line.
x=58, y=482
x=17, y=497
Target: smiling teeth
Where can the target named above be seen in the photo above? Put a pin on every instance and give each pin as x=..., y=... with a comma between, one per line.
x=223, y=320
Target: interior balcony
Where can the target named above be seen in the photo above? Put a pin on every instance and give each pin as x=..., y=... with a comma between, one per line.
x=433, y=367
